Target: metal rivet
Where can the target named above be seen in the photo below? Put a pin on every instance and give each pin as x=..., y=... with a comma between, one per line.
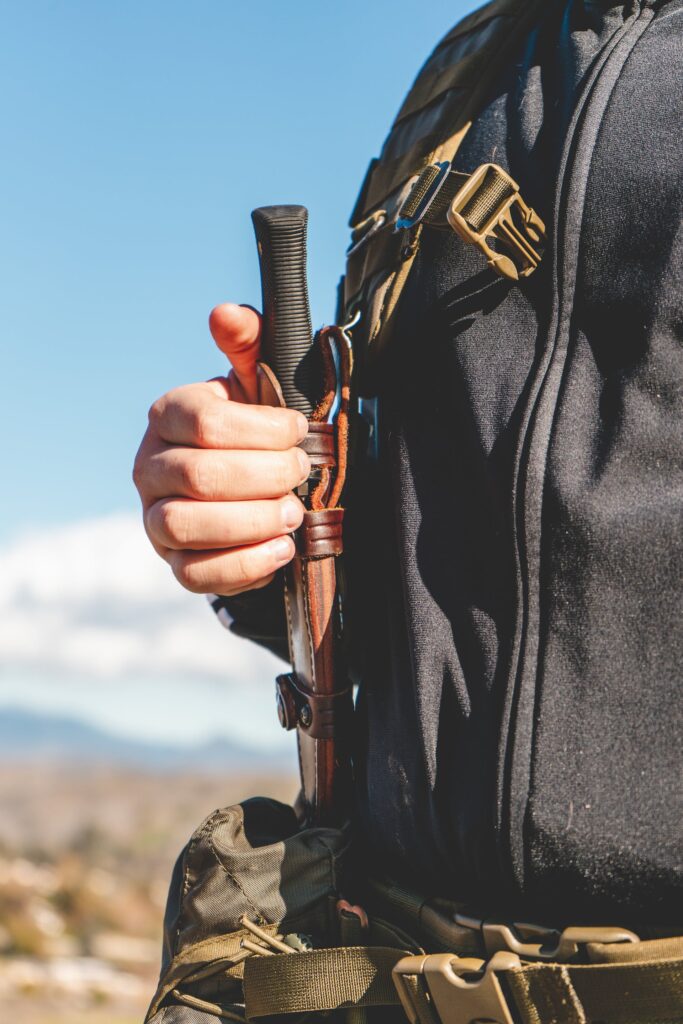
x=305, y=716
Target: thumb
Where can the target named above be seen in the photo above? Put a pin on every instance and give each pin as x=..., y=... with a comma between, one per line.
x=237, y=332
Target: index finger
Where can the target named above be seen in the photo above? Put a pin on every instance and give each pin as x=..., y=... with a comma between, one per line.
x=194, y=415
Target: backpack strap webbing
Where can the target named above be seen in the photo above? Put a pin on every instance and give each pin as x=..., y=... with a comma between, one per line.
x=446, y=989
x=447, y=94
x=450, y=90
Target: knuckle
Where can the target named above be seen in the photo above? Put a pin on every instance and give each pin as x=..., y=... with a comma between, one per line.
x=198, y=478
x=243, y=569
x=157, y=411
x=189, y=574
x=188, y=476
x=139, y=471
x=172, y=521
x=144, y=463
x=203, y=426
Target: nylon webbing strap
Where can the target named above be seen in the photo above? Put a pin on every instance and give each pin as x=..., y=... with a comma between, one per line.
x=634, y=993
x=219, y=952
x=439, y=144
x=540, y=993
x=323, y=979
x=436, y=214
x=476, y=75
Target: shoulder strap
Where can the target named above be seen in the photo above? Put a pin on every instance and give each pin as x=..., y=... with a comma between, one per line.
x=449, y=91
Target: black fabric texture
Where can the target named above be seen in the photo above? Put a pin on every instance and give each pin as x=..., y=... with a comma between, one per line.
x=515, y=554
x=259, y=615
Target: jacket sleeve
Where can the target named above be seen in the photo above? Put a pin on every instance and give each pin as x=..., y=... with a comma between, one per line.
x=257, y=615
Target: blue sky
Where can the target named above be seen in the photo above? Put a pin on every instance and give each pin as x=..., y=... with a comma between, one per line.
x=137, y=137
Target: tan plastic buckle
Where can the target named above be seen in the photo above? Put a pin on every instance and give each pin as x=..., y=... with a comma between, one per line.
x=538, y=942
x=489, y=205
x=454, y=995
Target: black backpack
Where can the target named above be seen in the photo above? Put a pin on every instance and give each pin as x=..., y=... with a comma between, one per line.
x=514, y=558
x=522, y=737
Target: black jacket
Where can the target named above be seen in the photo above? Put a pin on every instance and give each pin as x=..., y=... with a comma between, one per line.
x=517, y=548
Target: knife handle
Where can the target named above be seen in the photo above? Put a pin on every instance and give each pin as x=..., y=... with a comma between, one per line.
x=286, y=335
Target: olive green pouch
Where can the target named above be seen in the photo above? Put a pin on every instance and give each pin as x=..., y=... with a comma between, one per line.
x=249, y=861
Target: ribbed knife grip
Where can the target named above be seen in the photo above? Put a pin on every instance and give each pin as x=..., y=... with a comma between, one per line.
x=287, y=334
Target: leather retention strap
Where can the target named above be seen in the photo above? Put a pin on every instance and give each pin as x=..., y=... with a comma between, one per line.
x=320, y=444
x=321, y=716
x=320, y=534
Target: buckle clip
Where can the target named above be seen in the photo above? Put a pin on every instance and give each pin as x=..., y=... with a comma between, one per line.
x=489, y=204
x=422, y=195
x=364, y=231
x=456, y=996
x=538, y=942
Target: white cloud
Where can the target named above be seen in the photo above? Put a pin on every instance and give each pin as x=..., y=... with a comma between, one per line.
x=93, y=598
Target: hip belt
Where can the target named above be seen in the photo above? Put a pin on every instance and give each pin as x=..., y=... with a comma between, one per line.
x=435, y=964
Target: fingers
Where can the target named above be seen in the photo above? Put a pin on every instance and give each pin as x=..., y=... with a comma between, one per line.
x=182, y=525
x=215, y=475
x=196, y=415
x=230, y=572
x=237, y=330
x=222, y=475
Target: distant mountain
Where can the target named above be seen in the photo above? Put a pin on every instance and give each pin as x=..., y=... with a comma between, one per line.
x=27, y=735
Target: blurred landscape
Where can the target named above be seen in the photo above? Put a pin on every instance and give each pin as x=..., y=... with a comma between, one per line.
x=125, y=196
x=127, y=715
x=90, y=826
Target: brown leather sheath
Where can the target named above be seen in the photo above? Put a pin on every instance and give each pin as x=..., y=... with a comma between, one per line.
x=315, y=697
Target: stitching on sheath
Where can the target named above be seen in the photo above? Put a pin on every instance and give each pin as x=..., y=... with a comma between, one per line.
x=307, y=619
x=290, y=630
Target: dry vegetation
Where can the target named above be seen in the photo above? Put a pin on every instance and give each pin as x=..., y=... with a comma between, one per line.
x=85, y=858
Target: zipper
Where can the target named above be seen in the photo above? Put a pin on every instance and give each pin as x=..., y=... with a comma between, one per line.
x=517, y=724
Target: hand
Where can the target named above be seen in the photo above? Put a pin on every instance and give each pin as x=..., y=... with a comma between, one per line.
x=216, y=474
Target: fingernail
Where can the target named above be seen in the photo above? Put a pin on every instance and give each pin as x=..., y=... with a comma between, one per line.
x=301, y=426
x=305, y=464
x=291, y=514
x=282, y=550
